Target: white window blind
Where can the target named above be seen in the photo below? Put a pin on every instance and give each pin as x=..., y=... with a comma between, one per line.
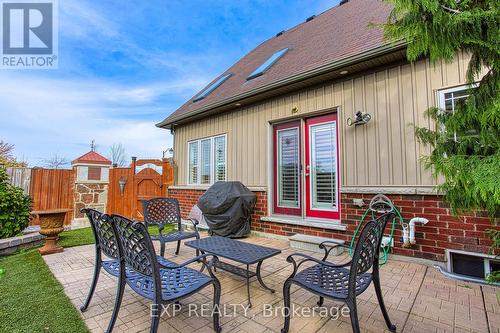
x=288, y=168
x=220, y=158
x=207, y=160
x=324, y=166
x=193, y=162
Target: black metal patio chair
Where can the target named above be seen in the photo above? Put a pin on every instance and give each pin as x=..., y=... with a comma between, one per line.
x=105, y=243
x=154, y=280
x=337, y=281
x=163, y=211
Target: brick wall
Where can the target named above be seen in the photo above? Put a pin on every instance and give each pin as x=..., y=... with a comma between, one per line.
x=443, y=231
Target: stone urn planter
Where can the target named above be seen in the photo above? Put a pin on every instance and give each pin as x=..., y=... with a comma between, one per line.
x=51, y=225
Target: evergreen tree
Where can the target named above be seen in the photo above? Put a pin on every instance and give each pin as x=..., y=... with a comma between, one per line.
x=465, y=144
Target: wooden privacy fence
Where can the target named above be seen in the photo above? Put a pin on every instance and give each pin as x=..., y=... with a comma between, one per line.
x=55, y=188
x=52, y=189
x=144, y=179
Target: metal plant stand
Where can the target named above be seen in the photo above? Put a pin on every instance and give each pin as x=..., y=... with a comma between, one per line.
x=241, y=252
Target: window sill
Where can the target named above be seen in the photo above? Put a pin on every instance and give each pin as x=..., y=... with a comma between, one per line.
x=330, y=224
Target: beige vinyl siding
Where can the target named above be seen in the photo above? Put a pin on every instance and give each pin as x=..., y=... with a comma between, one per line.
x=381, y=153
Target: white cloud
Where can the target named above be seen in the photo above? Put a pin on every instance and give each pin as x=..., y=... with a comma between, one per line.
x=45, y=116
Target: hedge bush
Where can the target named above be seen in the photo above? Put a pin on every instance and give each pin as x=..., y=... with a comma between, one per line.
x=15, y=207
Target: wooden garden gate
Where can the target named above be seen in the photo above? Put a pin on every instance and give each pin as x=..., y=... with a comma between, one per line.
x=144, y=179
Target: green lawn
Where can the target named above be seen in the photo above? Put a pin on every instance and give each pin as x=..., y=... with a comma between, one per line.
x=32, y=300
x=84, y=236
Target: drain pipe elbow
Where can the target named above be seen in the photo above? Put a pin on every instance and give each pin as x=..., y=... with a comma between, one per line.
x=412, y=227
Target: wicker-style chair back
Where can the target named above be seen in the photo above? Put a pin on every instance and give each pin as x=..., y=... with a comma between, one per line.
x=162, y=211
x=135, y=246
x=103, y=232
x=366, y=252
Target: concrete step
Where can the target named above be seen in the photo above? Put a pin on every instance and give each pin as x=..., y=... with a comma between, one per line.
x=311, y=243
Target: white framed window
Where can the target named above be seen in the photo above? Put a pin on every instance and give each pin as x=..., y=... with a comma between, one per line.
x=448, y=98
x=207, y=160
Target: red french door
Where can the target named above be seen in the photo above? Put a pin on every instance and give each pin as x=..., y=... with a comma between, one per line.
x=322, y=167
x=287, y=167
x=317, y=150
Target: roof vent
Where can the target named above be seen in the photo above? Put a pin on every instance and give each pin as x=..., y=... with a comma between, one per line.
x=343, y=2
x=280, y=33
x=310, y=18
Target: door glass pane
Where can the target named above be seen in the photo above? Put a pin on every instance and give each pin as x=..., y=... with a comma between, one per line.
x=288, y=168
x=323, y=166
x=220, y=158
x=193, y=162
x=205, y=161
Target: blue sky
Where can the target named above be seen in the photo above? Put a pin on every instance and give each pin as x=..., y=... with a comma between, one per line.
x=125, y=65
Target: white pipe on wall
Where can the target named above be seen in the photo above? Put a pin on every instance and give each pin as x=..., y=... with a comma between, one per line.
x=412, y=227
x=409, y=230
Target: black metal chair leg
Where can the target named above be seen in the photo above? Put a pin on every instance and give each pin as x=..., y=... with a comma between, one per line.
x=378, y=291
x=321, y=301
x=118, y=303
x=286, y=297
x=217, y=292
x=162, y=248
x=155, y=319
x=353, y=313
x=178, y=247
x=97, y=270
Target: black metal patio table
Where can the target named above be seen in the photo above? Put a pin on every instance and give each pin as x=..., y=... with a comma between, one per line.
x=238, y=251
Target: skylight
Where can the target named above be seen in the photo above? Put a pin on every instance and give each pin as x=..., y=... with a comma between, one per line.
x=212, y=87
x=267, y=64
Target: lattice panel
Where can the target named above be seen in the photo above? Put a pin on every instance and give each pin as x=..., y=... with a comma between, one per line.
x=368, y=243
x=161, y=211
x=103, y=232
x=366, y=249
x=137, y=248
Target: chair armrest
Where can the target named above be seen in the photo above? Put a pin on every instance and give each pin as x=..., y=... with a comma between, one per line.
x=195, y=224
x=329, y=245
x=194, y=221
x=307, y=258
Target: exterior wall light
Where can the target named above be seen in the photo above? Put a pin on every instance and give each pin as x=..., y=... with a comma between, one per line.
x=361, y=118
x=122, y=182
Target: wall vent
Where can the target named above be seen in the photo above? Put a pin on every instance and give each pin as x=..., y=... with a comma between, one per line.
x=471, y=264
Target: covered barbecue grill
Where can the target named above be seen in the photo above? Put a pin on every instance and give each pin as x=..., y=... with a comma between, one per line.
x=227, y=208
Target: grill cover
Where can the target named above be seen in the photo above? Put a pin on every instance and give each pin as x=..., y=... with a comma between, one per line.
x=227, y=208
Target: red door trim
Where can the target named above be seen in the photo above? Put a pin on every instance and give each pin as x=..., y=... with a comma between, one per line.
x=283, y=210
x=314, y=212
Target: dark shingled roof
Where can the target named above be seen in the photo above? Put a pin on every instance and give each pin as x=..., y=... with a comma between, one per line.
x=341, y=32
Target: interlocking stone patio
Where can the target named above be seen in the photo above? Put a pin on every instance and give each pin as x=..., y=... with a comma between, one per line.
x=418, y=298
